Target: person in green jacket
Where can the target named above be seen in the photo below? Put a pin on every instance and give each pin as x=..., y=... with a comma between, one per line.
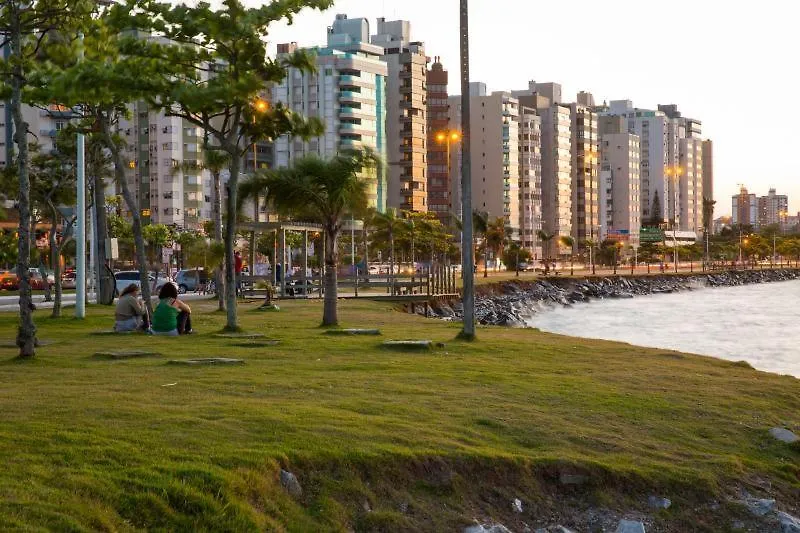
x=171, y=316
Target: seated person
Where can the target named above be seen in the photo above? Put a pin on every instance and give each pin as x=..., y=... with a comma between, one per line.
x=171, y=317
x=131, y=313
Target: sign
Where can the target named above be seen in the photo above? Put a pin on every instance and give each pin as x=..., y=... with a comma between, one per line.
x=112, y=248
x=651, y=235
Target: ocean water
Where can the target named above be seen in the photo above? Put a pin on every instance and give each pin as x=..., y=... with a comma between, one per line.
x=759, y=324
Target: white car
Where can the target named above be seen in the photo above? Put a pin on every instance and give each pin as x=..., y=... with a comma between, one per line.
x=125, y=278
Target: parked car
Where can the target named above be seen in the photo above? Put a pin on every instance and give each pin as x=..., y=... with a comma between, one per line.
x=9, y=281
x=68, y=281
x=126, y=277
x=191, y=280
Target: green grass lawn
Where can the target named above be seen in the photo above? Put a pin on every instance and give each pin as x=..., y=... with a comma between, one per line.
x=445, y=435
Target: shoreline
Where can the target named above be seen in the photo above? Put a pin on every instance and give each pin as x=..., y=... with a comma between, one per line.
x=511, y=303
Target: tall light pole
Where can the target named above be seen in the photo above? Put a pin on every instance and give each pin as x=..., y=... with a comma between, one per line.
x=674, y=173
x=467, y=259
x=80, y=226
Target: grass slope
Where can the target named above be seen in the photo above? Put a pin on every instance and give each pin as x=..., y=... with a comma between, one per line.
x=424, y=440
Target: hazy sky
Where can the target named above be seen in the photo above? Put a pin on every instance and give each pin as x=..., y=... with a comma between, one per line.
x=730, y=63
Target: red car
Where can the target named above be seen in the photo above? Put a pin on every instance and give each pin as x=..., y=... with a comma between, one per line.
x=9, y=281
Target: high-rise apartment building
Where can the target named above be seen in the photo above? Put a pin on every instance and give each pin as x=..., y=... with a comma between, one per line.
x=495, y=154
x=556, y=150
x=773, y=209
x=585, y=148
x=620, y=189
x=406, y=122
x=348, y=93
x=442, y=139
x=708, y=176
x=690, y=179
x=744, y=208
x=165, y=168
x=530, y=180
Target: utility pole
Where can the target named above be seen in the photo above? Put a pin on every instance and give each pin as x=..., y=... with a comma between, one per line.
x=467, y=260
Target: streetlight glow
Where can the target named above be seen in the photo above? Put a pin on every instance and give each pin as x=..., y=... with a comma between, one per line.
x=261, y=105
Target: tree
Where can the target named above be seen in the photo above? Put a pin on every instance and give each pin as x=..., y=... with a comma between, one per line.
x=656, y=216
x=387, y=226
x=321, y=191
x=480, y=225
x=569, y=242
x=212, y=73
x=26, y=28
x=496, y=236
x=545, y=238
x=514, y=255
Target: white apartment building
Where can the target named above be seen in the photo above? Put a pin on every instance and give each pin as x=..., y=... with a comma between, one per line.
x=773, y=209
x=495, y=155
x=585, y=150
x=620, y=188
x=164, y=170
x=406, y=114
x=690, y=163
x=348, y=93
x=530, y=180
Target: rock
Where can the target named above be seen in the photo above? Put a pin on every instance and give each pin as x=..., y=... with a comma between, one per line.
x=572, y=479
x=630, y=526
x=367, y=507
x=759, y=506
x=487, y=528
x=516, y=505
x=554, y=529
x=290, y=483
x=404, y=507
x=656, y=502
x=784, y=435
x=789, y=524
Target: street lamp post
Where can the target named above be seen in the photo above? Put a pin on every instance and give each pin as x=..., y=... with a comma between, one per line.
x=674, y=173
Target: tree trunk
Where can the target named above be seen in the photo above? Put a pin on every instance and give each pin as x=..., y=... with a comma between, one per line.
x=105, y=289
x=330, y=315
x=55, y=263
x=391, y=262
x=230, y=240
x=219, y=279
x=26, y=333
x=133, y=207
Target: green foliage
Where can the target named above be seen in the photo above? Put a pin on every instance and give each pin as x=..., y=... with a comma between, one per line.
x=513, y=253
x=8, y=250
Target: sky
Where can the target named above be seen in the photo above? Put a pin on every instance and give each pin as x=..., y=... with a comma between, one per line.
x=730, y=63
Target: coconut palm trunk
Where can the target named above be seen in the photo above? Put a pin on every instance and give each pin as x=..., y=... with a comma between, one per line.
x=330, y=316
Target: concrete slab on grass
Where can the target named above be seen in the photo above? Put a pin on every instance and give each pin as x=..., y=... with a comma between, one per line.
x=353, y=331
x=125, y=355
x=206, y=361
x=256, y=344
x=239, y=336
x=409, y=345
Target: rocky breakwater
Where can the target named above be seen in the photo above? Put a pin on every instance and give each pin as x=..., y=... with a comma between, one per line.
x=511, y=303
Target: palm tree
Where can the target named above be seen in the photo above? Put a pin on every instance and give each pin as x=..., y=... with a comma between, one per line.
x=388, y=225
x=323, y=191
x=570, y=242
x=708, y=216
x=496, y=236
x=545, y=238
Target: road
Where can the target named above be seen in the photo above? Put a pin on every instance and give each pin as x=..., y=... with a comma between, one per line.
x=11, y=303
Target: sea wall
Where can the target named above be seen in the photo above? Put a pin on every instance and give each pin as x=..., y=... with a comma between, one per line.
x=510, y=303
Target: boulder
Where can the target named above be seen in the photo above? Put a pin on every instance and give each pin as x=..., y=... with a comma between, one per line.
x=656, y=502
x=516, y=505
x=630, y=526
x=487, y=528
x=784, y=435
x=759, y=506
x=290, y=483
x=789, y=524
